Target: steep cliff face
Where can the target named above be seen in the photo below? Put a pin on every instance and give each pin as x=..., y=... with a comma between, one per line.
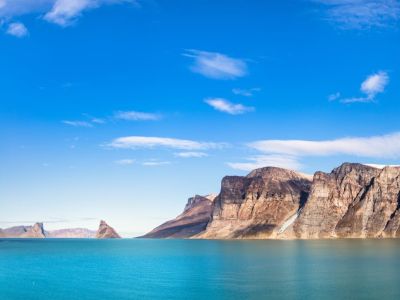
x=36, y=231
x=193, y=220
x=353, y=201
x=257, y=205
x=106, y=232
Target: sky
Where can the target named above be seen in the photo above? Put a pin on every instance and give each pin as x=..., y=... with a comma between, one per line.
x=122, y=109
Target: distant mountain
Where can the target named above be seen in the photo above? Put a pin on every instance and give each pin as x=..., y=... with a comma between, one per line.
x=193, y=220
x=38, y=231
x=72, y=233
x=106, y=232
x=353, y=201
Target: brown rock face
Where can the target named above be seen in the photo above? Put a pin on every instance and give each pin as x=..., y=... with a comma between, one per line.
x=106, y=232
x=353, y=201
x=257, y=205
x=192, y=221
x=36, y=231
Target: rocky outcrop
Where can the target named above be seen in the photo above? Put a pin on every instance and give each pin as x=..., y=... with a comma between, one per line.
x=106, y=232
x=257, y=205
x=36, y=231
x=353, y=201
x=193, y=220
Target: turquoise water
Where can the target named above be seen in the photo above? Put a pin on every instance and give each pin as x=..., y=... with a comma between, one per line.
x=199, y=269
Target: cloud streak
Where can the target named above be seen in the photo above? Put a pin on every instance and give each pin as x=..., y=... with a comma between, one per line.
x=216, y=65
x=225, y=106
x=288, y=153
x=191, y=154
x=361, y=14
x=136, y=142
x=384, y=146
x=136, y=116
x=78, y=123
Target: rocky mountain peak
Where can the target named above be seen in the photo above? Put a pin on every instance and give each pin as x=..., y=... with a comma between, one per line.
x=105, y=231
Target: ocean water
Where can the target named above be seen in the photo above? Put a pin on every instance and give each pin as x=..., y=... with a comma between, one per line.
x=199, y=269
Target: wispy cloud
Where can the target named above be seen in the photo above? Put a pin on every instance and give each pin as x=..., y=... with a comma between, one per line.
x=17, y=29
x=191, y=154
x=216, y=65
x=225, y=106
x=245, y=92
x=384, y=146
x=78, y=123
x=155, y=163
x=372, y=86
x=125, y=162
x=288, y=153
x=361, y=14
x=260, y=161
x=60, y=12
x=135, y=142
x=136, y=116
x=334, y=96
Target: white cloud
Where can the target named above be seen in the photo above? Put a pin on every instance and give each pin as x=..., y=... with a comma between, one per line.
x=361, y=14
x=77, y=123
x=224, y=105
x=373, y=85
x=260, y=161
x=245, y=92
x=125, y=162
x=155, y=163
x=60, y=12
x=17, y=29
x=191, y=154
x=384, y=146
x=216, y=65
x=136, y=116
x=135, y=142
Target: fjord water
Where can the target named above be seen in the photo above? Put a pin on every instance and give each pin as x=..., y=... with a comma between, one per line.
x=199, y=269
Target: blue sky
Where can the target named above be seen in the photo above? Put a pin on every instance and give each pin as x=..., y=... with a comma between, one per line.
x=121, y=110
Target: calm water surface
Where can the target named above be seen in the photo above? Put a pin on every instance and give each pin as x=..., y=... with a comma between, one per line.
x=199, y=269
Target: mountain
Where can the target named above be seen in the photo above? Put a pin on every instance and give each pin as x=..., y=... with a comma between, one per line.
x=15, y=231
x=191, y=221
x=352, y=201
x=257, y=205
x=72, y=233
x=106, y=232
x=36, y=231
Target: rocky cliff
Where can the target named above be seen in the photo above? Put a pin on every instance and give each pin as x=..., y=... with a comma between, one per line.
x=257, y=205
x=352, y=201
x=106, y=232
x=193, y=220
x=36, y=231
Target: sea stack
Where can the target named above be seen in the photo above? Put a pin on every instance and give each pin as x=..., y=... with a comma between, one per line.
x=106, y=232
